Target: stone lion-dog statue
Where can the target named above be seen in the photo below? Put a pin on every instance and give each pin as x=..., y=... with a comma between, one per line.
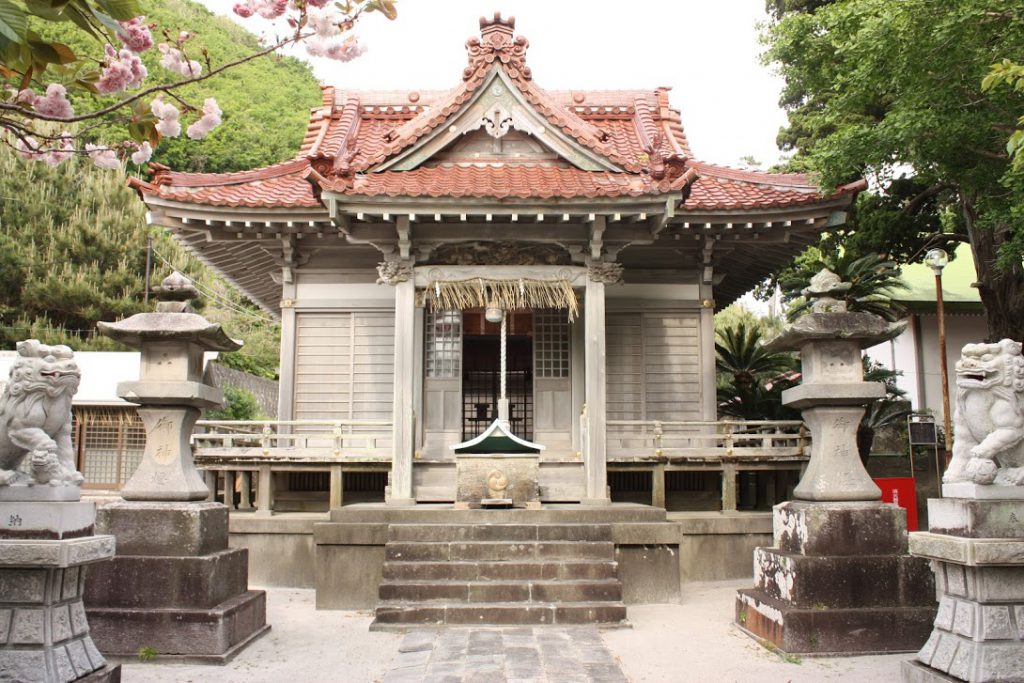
x=988, y=444
x=35, y=417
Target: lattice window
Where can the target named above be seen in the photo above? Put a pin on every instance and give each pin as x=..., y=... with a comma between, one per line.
x=110, y=445
x=443, y=341
x=550, y=344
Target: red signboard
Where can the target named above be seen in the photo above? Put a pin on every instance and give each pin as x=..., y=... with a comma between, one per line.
x=903, y=492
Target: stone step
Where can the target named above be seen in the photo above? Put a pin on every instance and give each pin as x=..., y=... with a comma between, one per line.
x=502, y=591
x=499, y=532
x=618, y=513
x=444, y=551
x=395, y=613
x=508, y=570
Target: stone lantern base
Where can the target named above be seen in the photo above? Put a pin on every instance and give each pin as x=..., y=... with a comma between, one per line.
x=838, y=581
x=44, y=634
x=977, y=553
x=174, y=586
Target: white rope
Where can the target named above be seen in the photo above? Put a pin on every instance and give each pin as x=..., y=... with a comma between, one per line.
x=504, y=329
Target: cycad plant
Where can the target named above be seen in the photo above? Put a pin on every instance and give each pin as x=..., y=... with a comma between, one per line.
x=873, y=281
x=751, y=378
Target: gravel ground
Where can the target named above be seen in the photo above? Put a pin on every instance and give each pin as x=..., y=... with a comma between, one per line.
x=693, y=641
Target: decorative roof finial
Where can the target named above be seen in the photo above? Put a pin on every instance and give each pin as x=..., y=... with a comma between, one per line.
x=497, y=43
x=827, y=290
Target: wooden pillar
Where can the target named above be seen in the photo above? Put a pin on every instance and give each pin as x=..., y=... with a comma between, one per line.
x=658, y=486
x=286, y=381
x=229, y=489
x=264, y=491
x=728, y=487
x=405, y=364
x=708, y=384
x=245, y=490
x=595, y=464
x=210, y=477
x=337, y=495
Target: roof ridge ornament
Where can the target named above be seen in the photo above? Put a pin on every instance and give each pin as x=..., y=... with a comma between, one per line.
x=496, y=43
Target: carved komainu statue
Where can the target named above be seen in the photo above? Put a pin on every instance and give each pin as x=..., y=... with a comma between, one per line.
x=35, y=417
x=988, y=444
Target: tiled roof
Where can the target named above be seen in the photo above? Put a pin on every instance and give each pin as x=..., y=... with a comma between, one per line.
x=541, y=182
x=351, y=133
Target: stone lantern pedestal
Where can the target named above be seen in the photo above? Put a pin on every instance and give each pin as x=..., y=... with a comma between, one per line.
x=839, y=579
x=174, y=586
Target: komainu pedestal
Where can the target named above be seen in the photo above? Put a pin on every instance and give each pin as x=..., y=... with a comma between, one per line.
x=977, y=552
x=44, y=635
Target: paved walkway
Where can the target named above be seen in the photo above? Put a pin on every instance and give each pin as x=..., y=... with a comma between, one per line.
x=504, y=655
x=694, y=641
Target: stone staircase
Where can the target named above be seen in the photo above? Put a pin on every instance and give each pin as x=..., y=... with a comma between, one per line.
x=518, y=573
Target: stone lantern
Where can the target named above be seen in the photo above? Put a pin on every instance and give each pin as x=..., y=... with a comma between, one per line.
x=170, y=389
x=839, y=578
x=174, y=584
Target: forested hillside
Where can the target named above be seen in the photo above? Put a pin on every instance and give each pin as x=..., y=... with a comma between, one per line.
x=73, y=238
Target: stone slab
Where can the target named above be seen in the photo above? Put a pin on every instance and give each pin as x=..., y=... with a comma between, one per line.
x=170, y=393
x=210, y=632
x=39, y=520
x=833, y=631
x=843, y=581
x=158, y=582
x=835, y=529
x=980, y=584
x=165, y=529
x=39, y=493
x=832, y=394
x=55, y=553
x=967, y=551
x=965, y=489
x=974, y=518
x=519, y=473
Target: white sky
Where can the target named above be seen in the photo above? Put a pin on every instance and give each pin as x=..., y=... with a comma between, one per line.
x=708, y=52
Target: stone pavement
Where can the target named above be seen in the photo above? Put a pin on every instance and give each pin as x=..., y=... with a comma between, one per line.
x=543, y=654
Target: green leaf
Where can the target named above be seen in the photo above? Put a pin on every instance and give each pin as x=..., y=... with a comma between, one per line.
x=122, y=10
x=13, y=21
x=50, y=53
x=44, y=9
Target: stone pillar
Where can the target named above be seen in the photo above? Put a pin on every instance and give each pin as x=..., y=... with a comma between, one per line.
x=46, y=532
x=405, y=362
x=595, y=458
x=976, y=548
x=174, y=586
x=839, y=578
x=44, y=549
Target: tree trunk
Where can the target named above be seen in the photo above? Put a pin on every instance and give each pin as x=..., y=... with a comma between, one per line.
x=1001, y=291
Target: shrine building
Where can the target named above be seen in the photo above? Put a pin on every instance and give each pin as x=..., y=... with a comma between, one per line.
x=421, y=241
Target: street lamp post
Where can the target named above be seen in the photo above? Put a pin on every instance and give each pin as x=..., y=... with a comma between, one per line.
x=936, y=259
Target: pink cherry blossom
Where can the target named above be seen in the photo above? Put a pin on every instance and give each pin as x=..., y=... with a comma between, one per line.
x=318, y=3
x=54, y=102
x=207, y=122
x=28, y=148
x=28, y=97
x=345, y=51
x=168, y=124
x=174, y=60
x=122, y=69
x=143, y=154
x=325, y=23
x=61, y=150
x=243, y=10
x=103, y=157
x=135, y=35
